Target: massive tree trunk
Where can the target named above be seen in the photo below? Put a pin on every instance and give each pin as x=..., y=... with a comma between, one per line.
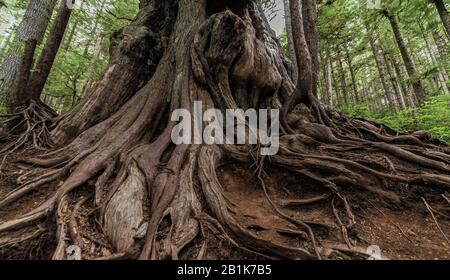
x=123, y=189
x=443, y=13
x=416, y=83
x=32, y=28
x=135, y=52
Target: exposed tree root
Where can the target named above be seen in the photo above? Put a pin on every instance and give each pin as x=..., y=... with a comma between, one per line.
x=150, y=199
x=28, y=128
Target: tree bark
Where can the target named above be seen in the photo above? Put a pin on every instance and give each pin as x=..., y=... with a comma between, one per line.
x=32, y=27
x=19, y=96
x=48, y=55
x=292, y=56
x=441, y=72
x=342, y=78
x=400, y=74
x=443, y=13
x=352, y=75
x=144, y=40
x=381, y=71
x=309, y=14
x=305, y=77
x=398, y=94
x=155, y=198
x=416, y=83
x=329, y=78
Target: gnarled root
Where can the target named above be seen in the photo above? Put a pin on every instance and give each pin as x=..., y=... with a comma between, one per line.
x=123, y=190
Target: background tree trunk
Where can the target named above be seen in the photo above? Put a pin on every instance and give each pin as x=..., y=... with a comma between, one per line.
x=443, y=13
x=48, y=55
x=343, y=81
x=309, y=14
x=292, y=56
x=416, y=83
x=329, y=78
x=381, y=71
x=19, y=96
x=352, y=75
x=399, y=97
x=305, y=86
x=31, y=28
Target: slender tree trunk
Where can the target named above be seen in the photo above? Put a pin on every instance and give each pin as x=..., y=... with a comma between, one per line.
x=292, y=56
x=309, y=14
x=343, y=80
x=305, y=69
x=381, y=71
x=48, y=55
x=335, y=84
x=32, y=27
x=416, y=83
x=400, y=74
x=352, y=74
x=398, y=94
x=441, y=72
x=329, y=78
x=443, y=13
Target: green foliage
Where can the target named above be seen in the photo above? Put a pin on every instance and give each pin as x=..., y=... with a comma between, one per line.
x=433, y=116
x=78, y=59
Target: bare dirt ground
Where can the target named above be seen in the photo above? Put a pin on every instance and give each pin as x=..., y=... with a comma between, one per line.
x=408, y=232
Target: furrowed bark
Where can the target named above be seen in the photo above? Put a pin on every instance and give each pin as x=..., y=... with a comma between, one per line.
x=32, y=27
x=135, y=51
x=48, y=55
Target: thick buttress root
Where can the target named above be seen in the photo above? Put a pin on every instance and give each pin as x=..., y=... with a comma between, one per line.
x=122, y=189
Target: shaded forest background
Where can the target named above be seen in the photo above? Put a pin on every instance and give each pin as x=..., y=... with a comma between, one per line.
x=349, y=75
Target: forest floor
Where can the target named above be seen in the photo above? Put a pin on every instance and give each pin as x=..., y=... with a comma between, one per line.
x=406, y=233
x=401, y=232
